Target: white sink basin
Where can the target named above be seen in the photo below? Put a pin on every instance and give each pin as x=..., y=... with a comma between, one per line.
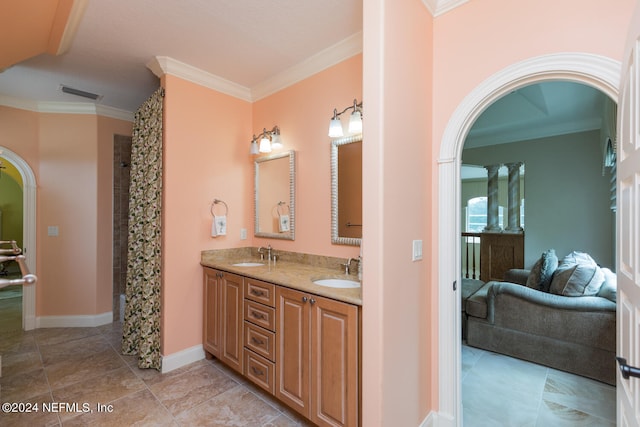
x=337, y=283
x=248, y=264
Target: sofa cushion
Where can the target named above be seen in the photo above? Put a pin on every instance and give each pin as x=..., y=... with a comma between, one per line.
x=577, y=275
x=477, y=303
x=542, y=271
x=609, y=288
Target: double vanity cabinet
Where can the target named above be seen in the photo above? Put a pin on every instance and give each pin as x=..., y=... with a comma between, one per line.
x=299, y=346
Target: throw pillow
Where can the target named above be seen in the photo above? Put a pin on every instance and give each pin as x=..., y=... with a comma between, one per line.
x=542, y=271
x=577, y=275
x=609, y=288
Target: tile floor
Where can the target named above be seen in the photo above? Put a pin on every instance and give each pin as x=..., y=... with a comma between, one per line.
x=499, y=390
x=84, y=365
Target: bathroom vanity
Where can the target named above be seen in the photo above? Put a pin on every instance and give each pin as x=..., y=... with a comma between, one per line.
x=297, y=340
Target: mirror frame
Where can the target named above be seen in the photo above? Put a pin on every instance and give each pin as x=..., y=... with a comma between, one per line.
x=335, y=238
x=292, y=201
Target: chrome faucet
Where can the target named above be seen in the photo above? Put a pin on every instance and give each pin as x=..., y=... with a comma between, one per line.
x=261, y=252
x=347, y=265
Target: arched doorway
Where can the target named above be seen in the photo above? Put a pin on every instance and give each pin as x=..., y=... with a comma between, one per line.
x=597, y=71
x=29, y=234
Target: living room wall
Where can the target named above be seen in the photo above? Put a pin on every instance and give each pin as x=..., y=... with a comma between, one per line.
x=567, y=196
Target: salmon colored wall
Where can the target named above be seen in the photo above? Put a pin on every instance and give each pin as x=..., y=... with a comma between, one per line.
x=71, y=156
x=302, y=111
x=397, y=331
x=478, y=39
x=206, y=156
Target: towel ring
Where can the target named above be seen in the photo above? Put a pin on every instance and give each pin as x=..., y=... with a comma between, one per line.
x=217, y=201
x=283, y=205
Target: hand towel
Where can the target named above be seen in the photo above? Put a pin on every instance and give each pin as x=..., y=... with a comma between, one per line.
x=283, y=223
x=219, y=226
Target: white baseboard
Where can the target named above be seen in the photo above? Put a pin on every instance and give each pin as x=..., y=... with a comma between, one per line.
x=82, y=321
x=429, y=421
x=182, y=358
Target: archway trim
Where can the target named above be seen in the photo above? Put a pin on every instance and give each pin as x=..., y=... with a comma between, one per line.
x=598, y=71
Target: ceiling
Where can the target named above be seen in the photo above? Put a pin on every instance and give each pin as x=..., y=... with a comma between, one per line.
x=106, y=48
x=243, y=41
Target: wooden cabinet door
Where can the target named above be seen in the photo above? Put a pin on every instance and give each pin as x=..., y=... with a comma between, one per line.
x=212, y=324
x=292, y=355
x=232, y=297
x=334, y=362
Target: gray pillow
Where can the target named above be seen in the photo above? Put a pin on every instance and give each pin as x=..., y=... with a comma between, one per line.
x=542, y=271
x=577, y=275
x=609, y=288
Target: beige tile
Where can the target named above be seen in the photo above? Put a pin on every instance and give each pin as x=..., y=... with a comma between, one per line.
x=17, y=342
x=189, y=389
x=50, y=336
x=14, y=363
x=102, y=389
x=37, y=417
x=23, y=385
x=71, y=371
x=235, y=407
x=73, y=350
x=139, y=409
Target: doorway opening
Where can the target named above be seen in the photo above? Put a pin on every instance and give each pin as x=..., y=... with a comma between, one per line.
x=121, y=178
x=599, y=72
x=28, y=232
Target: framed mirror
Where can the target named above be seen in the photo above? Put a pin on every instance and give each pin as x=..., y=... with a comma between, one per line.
x=274, y=196
x=346, y=190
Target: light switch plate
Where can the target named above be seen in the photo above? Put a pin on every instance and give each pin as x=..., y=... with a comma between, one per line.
x=417, y=250
x=243, y=234
x=52, y=230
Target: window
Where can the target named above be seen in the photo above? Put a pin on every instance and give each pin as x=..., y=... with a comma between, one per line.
x=476, y=215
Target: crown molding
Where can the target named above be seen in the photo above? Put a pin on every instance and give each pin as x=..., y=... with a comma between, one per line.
x=326, y=58
x=345, y=49
x=440, y=7
x=161, y=65
x=66, y=108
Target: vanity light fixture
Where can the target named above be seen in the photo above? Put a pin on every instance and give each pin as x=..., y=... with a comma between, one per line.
x=355, y=120
x=269, y=139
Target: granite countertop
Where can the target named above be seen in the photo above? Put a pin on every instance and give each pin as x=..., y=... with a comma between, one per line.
x=296, y=271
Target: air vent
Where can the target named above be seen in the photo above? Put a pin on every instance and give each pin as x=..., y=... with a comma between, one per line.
x=78, y=92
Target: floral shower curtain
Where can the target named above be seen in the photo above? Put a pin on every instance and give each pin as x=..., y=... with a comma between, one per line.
x=141, y=327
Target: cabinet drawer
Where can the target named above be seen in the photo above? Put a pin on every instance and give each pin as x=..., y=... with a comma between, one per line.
x=262, y=292
x=260, y=315
x=260, y=371
x=260, y=340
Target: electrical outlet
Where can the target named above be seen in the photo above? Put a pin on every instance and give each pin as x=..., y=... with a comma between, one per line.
x=417, y=250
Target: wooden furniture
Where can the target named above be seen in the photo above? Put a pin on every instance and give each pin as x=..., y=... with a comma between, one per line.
x=300, y=347
x=260, y=333
x=223, y=321
x=500, y=252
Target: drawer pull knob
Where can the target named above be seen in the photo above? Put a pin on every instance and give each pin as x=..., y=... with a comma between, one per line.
x=257, y=371
x=305, y=299
x=257, y=292
x=312, y=301
x=257, y=341
x=257, y=315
